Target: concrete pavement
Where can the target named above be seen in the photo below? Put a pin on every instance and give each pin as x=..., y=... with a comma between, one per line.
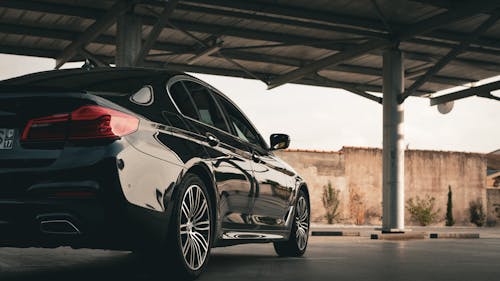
x=327, y=258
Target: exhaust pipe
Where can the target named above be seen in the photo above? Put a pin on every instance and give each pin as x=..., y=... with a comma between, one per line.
x=59, y=226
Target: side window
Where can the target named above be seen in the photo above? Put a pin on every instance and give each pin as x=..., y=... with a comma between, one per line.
x=208, y=111
x=183, y=100
x=241, y=126
x=144, y=96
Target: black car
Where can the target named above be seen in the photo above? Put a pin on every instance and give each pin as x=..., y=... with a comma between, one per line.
x=145, y=160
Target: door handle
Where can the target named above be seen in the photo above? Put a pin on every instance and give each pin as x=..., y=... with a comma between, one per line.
x=212, y=140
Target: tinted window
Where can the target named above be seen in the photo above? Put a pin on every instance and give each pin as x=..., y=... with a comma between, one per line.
x=183, y=100
x=240, y=124
x=208, y=111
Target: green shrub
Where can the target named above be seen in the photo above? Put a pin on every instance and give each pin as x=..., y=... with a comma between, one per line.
x=449, y=209
x=476, y=211
x=422, y=210
x=331, y=202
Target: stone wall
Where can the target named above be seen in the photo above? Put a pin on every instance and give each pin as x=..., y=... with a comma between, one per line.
x=357, y=173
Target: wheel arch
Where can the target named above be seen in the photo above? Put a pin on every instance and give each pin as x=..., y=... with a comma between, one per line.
x=305, y=189
x=206, y=175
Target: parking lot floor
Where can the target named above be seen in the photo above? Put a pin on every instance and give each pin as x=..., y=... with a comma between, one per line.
x=327, y=258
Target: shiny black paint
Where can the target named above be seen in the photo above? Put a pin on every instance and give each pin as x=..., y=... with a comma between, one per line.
x=132, y=181
x=274, y=191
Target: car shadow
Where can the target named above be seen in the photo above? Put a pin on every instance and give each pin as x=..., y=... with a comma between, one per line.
x=121, y=266
x=124, y=267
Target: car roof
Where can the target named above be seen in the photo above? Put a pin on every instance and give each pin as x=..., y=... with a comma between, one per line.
x=79, y=79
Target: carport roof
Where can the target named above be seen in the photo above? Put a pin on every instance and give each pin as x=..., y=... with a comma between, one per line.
x=315, y=42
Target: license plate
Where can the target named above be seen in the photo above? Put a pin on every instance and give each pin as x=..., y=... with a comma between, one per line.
x=6, y=138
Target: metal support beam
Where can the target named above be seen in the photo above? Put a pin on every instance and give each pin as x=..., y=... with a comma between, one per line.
x=382, y=17
x=448, y=4
x=416, y=29
x=329, y=83
x=481, y=91
x=207, y=51
x=156, y=30
x=273, y=12
x=98, y=27
x=88, y=55
x=60, y=34
x=93, y=13
x=362, y=26
x=331, y=60
x=353, y=90
x=452, y=54
x=128, y=39
x=464, y=62
x=393, y=146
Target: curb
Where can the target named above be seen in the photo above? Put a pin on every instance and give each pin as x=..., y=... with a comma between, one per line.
x=336, y=233
x=398, y=236
x=454, y=236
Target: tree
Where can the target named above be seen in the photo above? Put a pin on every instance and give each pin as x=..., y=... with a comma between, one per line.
x=422, y=210
x=449, y=209
x=331, y=202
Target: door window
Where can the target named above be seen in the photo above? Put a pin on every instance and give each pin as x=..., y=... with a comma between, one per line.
x=206, y=107
x=242, y=127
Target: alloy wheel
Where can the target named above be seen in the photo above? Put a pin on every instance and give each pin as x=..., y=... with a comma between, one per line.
x=194, y=227
x=302, y=222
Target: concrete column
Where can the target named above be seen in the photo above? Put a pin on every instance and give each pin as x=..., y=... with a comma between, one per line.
x=128, y=39
x=393, y=143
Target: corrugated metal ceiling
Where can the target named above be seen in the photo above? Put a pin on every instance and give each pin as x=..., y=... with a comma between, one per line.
x=269, y=38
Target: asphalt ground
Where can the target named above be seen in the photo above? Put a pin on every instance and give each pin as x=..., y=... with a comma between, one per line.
x=327, y=258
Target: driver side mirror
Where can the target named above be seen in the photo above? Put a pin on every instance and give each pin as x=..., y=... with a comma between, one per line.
x=279, y=141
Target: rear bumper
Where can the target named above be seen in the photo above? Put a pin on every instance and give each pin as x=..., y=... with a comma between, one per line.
x=80, y=204
x=81, y=200
x=53, y=223
x=52, y=210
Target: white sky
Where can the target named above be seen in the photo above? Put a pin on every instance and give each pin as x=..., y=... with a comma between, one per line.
x=327, y=119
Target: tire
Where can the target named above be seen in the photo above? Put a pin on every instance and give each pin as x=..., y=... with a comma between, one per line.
x=297, y=243
x=190, y=235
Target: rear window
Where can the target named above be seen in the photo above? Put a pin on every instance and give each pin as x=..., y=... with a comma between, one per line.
x=183, y=100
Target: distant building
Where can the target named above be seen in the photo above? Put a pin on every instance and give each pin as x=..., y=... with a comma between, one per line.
x=493, y=179
x=493, y=169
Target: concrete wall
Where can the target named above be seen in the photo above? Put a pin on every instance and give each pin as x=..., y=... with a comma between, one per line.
x=318, y=169
x=357, y=173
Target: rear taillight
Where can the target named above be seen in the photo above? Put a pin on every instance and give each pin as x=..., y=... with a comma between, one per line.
x=84, y=123
x=50, y=128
